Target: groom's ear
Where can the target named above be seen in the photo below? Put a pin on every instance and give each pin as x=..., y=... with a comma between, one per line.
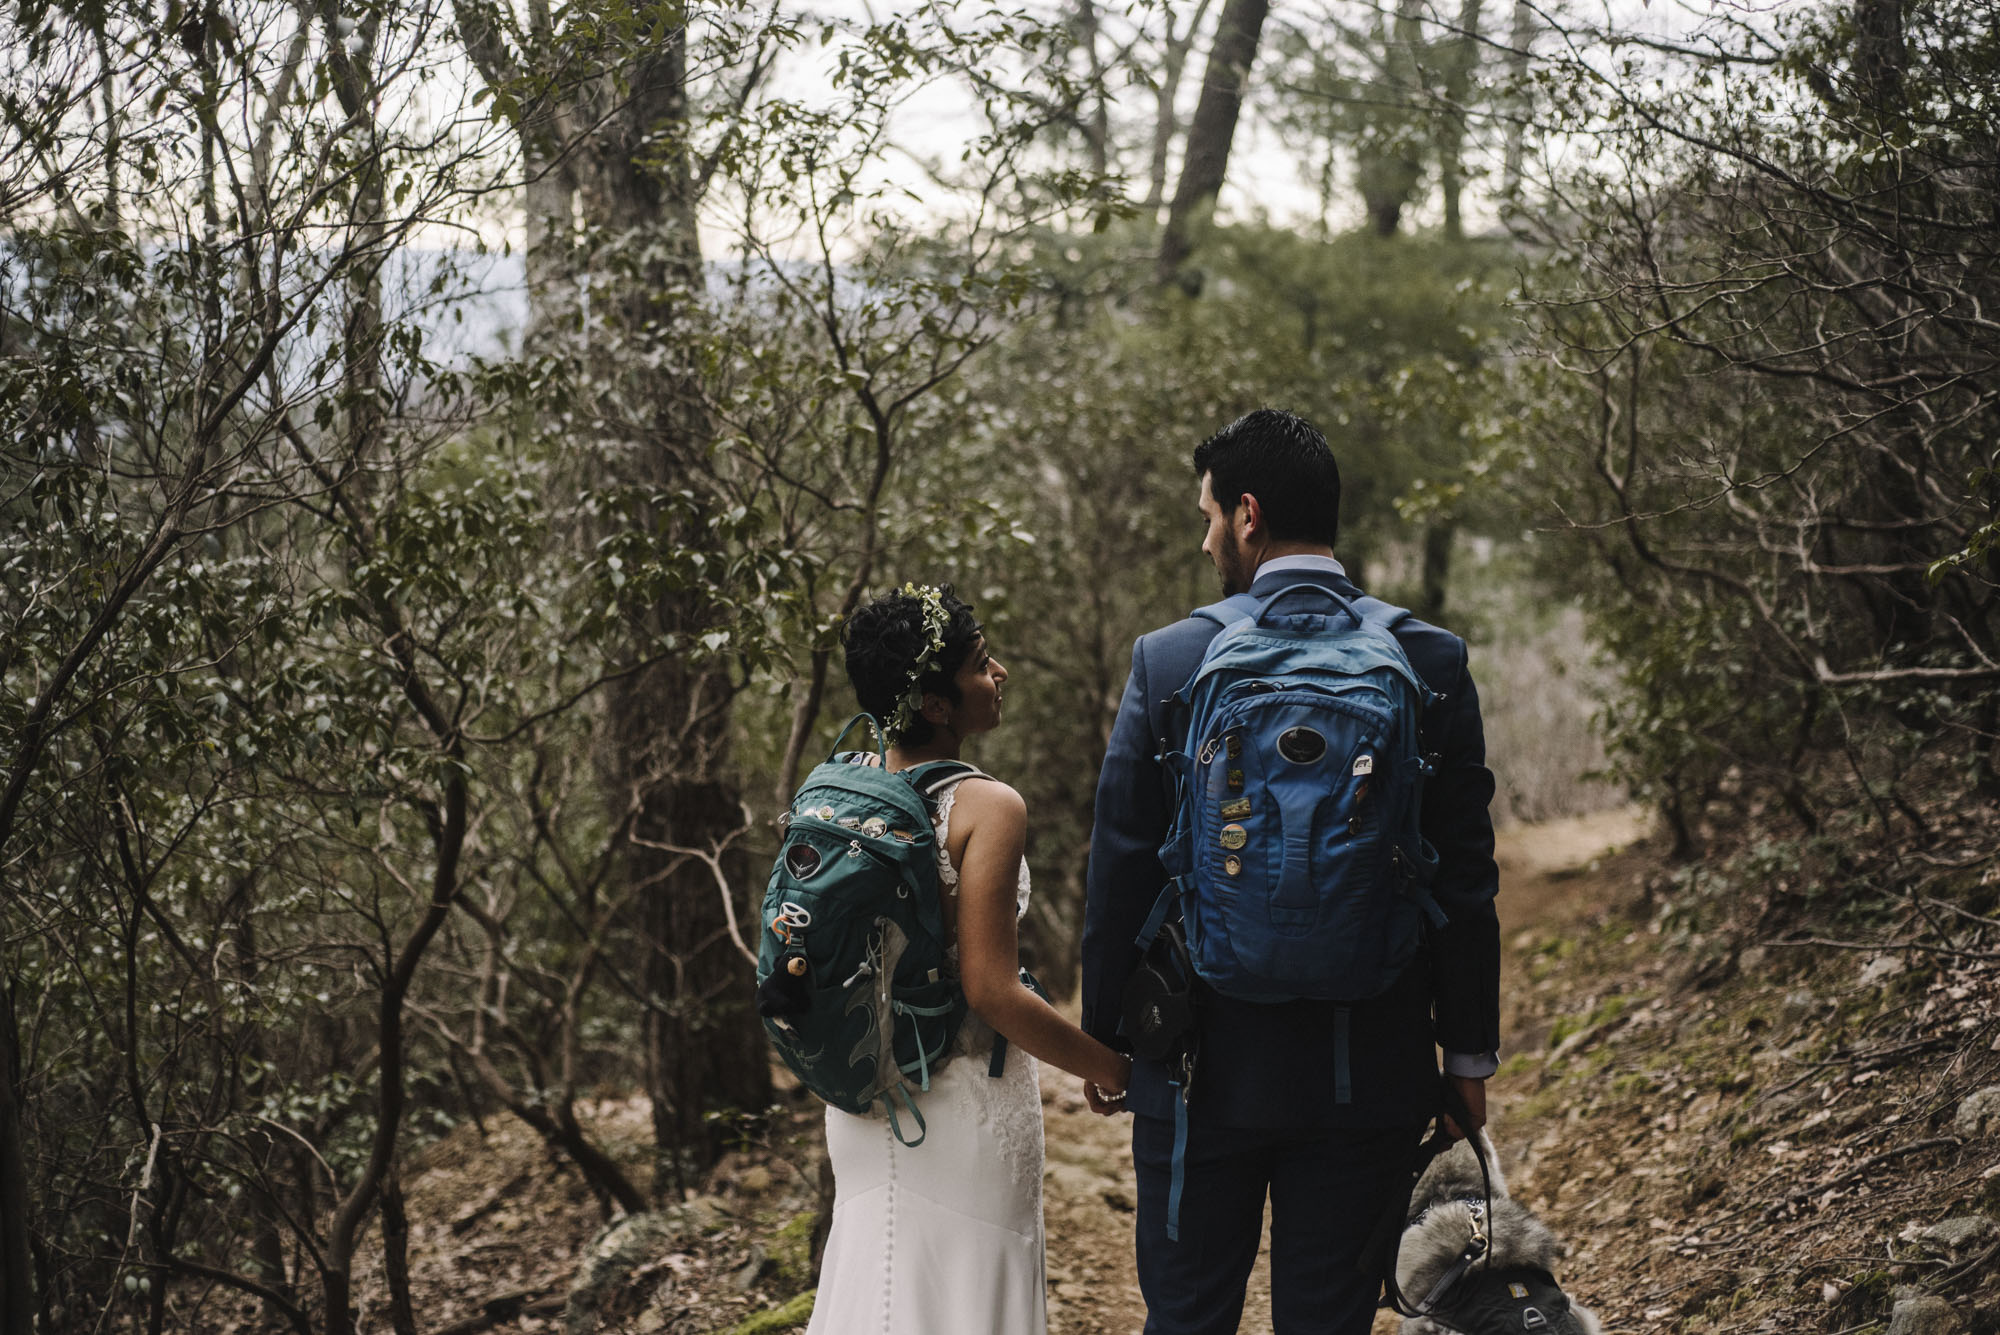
x=1249, y=516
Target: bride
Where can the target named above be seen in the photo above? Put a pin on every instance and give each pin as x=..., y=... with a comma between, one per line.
x=947, y=1235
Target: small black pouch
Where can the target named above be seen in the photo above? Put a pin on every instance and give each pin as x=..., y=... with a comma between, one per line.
x=1160, y=1007
x=1521, y=1299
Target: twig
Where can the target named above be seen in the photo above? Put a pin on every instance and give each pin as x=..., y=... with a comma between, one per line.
x=713, y=861
x=1858, y=1059
x=534, y=1300
x=1829, y=944
x=494, y=1200
x=145, y=1185
x=332, y=1179
x=1972, y=1267
x=1842, y=1179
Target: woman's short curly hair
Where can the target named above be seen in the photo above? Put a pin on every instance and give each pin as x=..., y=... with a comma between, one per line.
x=886, y=638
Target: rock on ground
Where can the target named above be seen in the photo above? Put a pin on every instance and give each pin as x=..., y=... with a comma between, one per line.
x=1979, y=1115
x=1961, y=1234
x=1924, y=1316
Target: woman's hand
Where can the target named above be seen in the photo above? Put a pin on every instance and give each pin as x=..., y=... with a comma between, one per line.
x=1106, y=1099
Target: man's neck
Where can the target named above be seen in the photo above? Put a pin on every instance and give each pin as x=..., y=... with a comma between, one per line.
x=1279, y=550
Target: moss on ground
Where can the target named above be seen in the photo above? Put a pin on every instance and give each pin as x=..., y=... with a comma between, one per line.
x=792, y=1316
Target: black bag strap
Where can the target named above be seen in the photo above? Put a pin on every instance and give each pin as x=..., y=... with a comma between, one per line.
x=933, y=777
x=1379, y=1256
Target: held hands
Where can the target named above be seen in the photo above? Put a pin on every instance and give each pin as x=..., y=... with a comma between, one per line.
x=1104, y=1100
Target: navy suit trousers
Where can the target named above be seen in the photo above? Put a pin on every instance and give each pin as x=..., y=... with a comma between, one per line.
x=1327, y=1188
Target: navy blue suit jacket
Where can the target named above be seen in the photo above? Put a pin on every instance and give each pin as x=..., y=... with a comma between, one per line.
x=1265, y=1065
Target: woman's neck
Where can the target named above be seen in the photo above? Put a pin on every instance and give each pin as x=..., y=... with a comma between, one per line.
x=943, y=745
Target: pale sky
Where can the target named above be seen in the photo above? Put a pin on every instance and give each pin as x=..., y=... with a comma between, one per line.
x=1265, y=175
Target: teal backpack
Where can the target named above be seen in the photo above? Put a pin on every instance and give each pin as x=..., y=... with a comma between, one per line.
x=853, y=980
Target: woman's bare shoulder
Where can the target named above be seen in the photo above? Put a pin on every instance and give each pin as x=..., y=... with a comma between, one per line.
x=984, y=800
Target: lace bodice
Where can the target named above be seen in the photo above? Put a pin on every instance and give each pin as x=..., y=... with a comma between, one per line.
x=974, y=1035
x=948, y=874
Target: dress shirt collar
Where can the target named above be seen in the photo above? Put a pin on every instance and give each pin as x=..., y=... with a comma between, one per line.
x=1317, y=565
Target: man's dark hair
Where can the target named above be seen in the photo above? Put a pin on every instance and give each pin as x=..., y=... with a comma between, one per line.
x=884, y=638
x=1282, y=460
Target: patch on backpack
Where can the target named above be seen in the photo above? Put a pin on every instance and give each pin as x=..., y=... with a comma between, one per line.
x=1301, y=746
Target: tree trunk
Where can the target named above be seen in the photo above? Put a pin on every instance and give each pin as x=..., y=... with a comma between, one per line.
x=552, y=1114
x=400, y=972
x=704, y=1051
x=1461, y=57
x=609, y=152
x=1514, y=155
x=17, y=1258
x=1237, y=34
x=267, y=1242
x=1880, y=54
x=396, y=1253
x=1166, y=119
x=354, y=85
x=1438, y=536
x=1097, y=126
x=1389, y=167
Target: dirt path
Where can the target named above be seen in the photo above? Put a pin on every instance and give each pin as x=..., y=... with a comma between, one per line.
x=1732, y=1141
x=1545, y=881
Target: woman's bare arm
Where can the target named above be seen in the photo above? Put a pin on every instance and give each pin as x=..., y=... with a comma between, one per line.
x=990, y=827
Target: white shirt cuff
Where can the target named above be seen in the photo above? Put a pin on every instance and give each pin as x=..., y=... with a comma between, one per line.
x=1471, y=1065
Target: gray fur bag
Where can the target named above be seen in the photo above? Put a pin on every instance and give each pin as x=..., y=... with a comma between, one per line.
x=1512, y=1287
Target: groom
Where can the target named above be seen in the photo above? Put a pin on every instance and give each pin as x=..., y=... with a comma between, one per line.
x=1318, y=1104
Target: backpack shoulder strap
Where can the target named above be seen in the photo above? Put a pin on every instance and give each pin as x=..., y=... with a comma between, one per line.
x=1385, y=617
x=1381, y=615
x=931, y=778
x=1377, y=612
x=1235, y=608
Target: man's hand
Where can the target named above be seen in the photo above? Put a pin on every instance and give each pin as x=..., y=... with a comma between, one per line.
x=1473, y=1091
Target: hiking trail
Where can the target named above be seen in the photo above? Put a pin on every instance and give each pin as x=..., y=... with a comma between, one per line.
x=1731, y=1137
x=1548, y=881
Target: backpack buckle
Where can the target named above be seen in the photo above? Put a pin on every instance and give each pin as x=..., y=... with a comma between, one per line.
x=791, y=918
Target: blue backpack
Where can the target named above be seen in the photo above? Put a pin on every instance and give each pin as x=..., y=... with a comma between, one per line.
x=1295, y=855
x=854, y=980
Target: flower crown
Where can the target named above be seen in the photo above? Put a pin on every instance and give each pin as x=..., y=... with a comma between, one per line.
x=936, y=621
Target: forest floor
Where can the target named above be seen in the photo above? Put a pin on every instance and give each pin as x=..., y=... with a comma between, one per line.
x=1729, y=1136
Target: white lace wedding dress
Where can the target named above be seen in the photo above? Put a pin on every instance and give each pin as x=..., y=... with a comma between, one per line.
x=944, y=1238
